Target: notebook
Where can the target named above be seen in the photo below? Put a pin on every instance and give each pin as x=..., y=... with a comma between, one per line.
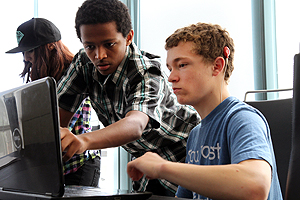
x=30, y=149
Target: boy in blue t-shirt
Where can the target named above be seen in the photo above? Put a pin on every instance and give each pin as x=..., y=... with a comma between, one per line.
x=230, y=153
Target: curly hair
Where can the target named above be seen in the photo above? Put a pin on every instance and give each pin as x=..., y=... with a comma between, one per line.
x=209, y=41
x=48, y=62
x=104, y=11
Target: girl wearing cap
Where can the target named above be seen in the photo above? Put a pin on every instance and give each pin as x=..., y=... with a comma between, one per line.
x=45, y=55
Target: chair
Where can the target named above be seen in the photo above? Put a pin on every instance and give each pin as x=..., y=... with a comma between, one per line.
x=279, y=116
x=293, y=179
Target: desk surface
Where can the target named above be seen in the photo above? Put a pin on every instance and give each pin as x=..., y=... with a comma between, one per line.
x=155, y=197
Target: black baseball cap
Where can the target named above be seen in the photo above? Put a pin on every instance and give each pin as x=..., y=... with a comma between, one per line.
x=34, y=33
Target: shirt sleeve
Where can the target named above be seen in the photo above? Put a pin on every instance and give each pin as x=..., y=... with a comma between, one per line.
x=151, y=93
x=72, y=88
x=251, y=139
x=80, y=122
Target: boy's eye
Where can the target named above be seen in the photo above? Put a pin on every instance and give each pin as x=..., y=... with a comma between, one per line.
x=89, y=47
x=182, y=65
x=111, y=44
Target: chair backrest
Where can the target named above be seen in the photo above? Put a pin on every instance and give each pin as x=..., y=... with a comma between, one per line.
x=293, y=180
x=279, y=116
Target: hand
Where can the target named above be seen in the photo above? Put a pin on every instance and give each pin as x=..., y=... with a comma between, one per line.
x=148, y=164
x=71, y=143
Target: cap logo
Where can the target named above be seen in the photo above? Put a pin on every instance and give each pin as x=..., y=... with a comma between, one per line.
x=20, y=35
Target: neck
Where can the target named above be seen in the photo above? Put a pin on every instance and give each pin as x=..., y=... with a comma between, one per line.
x=224, y=93
x=210, y=103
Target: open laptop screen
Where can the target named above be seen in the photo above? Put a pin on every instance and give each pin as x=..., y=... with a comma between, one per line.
x=30, y=154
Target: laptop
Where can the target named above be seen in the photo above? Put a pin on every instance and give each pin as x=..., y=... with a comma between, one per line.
x=31, y=164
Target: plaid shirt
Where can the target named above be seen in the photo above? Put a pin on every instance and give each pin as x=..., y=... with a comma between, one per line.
x=80, y=123
x=137, y=84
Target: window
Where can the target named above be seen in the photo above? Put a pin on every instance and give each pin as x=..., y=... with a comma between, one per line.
x=12, y=14
x=159, y=19
x=288, y=40
x=62, y=14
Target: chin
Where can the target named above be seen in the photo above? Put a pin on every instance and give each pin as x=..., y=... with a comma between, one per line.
x=181, y=101
x=185, y=101
x=102, y=72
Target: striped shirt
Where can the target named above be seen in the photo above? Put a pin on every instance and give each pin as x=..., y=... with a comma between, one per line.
x=137, y=84
x=80, y=123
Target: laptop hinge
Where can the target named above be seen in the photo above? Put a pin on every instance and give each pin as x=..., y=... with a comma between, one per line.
x=23, y=192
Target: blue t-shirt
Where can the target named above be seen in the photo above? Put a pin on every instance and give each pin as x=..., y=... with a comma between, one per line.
x=231, y=133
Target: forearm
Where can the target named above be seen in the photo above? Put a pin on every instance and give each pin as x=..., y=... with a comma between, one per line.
x=119, y=133
x=218, y=182
x=126, y=130
x=115, y=135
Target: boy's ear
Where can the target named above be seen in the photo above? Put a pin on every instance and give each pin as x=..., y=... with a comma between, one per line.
x=218, y=66
x=129, y=37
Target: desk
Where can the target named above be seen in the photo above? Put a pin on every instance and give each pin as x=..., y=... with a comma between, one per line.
x=38, y=197
x=155, y=197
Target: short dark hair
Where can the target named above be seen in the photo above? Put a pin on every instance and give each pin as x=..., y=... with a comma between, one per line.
x=104, y=11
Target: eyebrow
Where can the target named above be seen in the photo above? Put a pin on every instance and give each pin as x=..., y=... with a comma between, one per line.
x=176, y=60
x=105, y=41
